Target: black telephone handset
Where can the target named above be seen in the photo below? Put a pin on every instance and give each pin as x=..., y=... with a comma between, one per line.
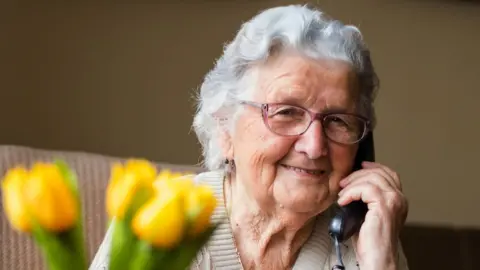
x=348, y=219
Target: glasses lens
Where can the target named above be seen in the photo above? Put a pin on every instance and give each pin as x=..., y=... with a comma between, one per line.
x=290, y=120
x=344, y=128
x=287, y=120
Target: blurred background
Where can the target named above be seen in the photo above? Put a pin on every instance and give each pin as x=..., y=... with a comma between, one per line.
x=119, y=79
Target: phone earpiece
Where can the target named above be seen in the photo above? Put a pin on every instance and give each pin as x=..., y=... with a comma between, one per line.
x=347, y=221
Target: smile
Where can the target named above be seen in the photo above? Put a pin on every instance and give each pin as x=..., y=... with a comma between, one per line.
x=307, y=171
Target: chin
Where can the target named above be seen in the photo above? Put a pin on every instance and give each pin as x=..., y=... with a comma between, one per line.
x=303, y=199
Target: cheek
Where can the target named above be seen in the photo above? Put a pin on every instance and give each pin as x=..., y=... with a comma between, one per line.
x=257, y=146
x=342, y=159
x=257, y=152
x=271, y=149
x=263, y=163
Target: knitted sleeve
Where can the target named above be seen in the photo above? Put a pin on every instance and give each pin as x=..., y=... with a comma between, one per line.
x=102, y=257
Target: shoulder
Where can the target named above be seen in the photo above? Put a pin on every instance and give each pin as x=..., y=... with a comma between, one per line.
x=202, y=261
x=213, y=179
x=102, y=257
x=210, y=177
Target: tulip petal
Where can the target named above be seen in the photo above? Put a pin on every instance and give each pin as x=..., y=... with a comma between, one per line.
x=125, y=181
x=76, y=234
x=49, y=198
x=69, y=176
x=161, y=221
x=13, y=199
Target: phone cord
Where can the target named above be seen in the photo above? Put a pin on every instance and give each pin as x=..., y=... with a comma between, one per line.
x=339, y=265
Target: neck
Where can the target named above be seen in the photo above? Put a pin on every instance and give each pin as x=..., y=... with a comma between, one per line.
x=269, y=236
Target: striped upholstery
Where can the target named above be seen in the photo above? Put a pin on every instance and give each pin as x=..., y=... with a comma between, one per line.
x=17, y=251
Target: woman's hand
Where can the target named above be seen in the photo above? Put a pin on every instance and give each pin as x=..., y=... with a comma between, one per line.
x=380, y=188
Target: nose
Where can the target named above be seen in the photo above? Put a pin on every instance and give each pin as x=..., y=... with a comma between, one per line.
x=313, y=142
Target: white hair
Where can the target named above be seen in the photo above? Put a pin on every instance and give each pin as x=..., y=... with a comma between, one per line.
x=298, y=27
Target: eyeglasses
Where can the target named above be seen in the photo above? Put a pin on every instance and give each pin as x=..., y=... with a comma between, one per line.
x=289, y=120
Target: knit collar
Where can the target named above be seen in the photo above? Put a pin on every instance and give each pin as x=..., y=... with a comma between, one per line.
x=313, y=255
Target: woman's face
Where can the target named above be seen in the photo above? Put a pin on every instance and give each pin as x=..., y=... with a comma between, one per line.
x=299, y=173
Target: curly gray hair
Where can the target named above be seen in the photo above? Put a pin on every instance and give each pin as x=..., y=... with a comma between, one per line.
x=306, y=30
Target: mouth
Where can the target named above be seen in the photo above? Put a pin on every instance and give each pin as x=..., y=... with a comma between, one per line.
x=315, y=172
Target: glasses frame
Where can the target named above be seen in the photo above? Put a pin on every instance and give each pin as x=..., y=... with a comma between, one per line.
x=313, y=116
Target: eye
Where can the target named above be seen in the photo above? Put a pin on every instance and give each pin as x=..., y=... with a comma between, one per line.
x=344, y=122
x=337, y=120
x=286, y=112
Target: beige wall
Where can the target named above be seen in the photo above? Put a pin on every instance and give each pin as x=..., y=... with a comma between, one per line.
x=118, y=79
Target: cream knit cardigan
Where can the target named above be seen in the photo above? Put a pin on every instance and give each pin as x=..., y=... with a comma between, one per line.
x=220, y=253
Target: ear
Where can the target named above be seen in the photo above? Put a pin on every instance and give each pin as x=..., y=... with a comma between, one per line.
x=226, y=144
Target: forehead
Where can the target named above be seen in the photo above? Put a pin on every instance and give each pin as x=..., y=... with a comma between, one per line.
x=316, y=84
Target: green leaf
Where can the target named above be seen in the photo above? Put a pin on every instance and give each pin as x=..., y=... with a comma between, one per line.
x=187, y=250
x=60, y=250
x=148, y=258
x=122, y=247
x=124, y=241
x=139, y=199
x=76, y=235
x=68, y=175
x=180, y=258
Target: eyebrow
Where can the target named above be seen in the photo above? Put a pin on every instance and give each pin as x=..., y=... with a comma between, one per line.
x=335, y=109
x=289, y=99
x=300, y=102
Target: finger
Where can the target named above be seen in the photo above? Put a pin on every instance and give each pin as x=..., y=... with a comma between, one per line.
x=364, y=173
x=376, y=175
x=370, y=178
x=366, y=192
x=370, y=193
x=395, y=179
x=369, y=164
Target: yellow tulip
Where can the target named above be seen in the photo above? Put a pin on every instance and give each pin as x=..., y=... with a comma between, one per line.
x=50, y=200
x=13, y=201
x=125, y=182
x=161, y=221
x=200, y=203
x=169, y=181
x=142, y=168
x=168, y=175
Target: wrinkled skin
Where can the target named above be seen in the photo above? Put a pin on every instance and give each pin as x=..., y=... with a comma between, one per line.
x=280, y=183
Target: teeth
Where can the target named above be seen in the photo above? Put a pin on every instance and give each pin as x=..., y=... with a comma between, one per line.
x=314, y=172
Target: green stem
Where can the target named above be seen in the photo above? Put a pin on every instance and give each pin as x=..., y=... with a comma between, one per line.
x=60, y=251
x=123, y=241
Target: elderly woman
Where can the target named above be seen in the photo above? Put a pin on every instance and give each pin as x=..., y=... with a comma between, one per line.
x=281, y=118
